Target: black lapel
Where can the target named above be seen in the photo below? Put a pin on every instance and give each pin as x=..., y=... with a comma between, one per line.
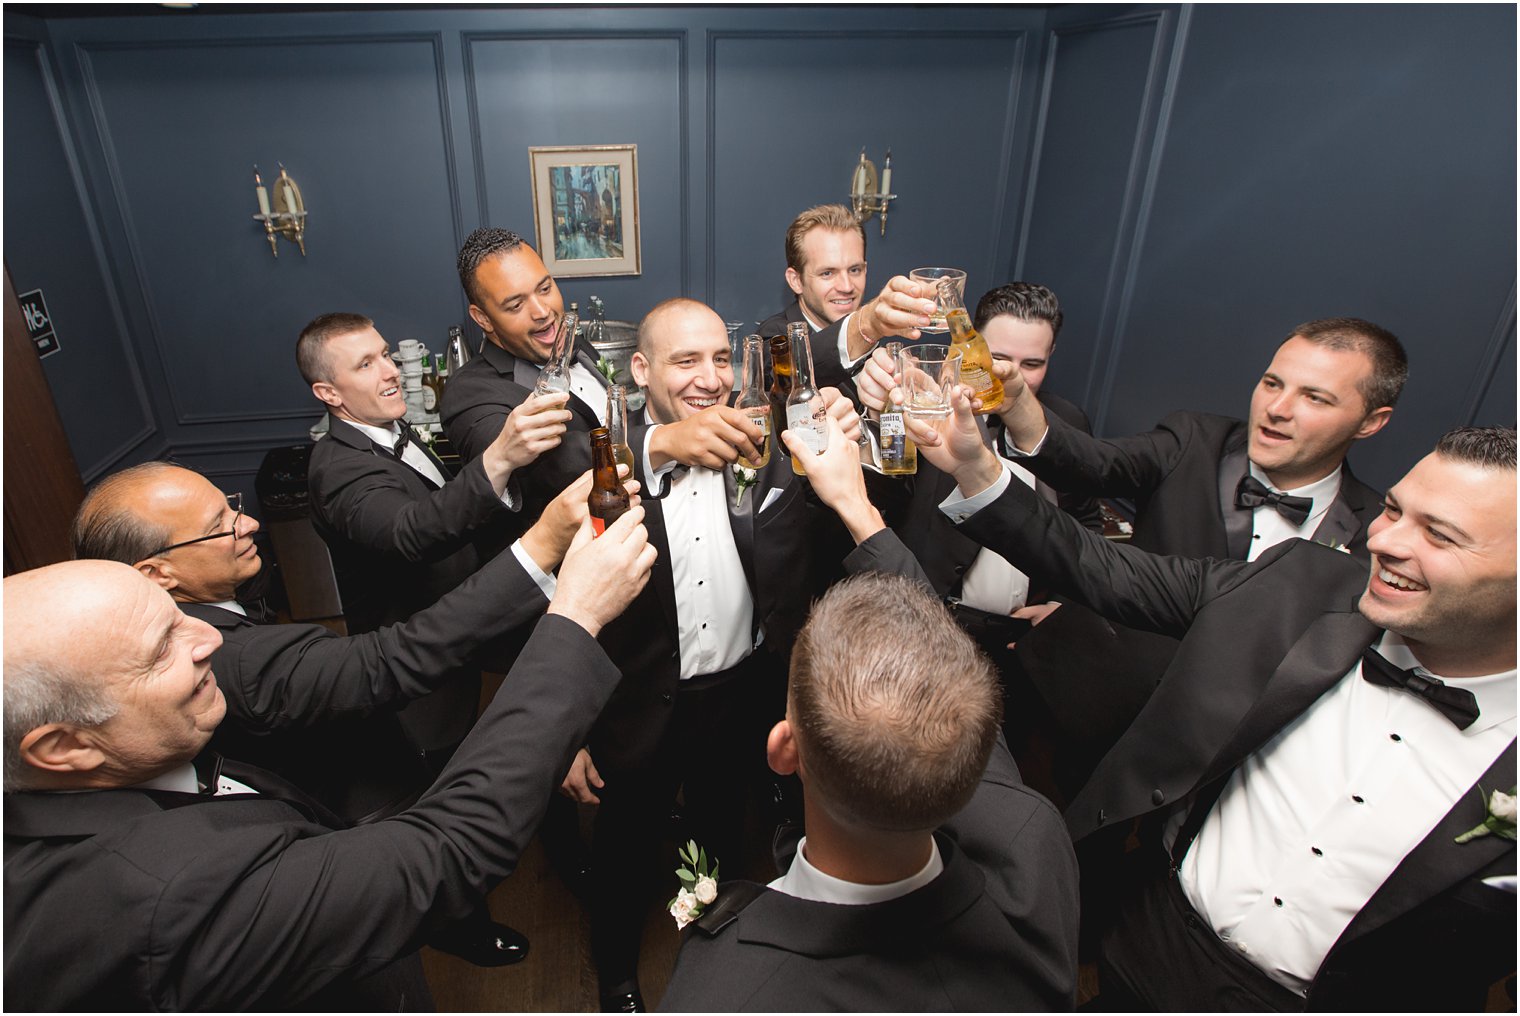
x=1238, y=522
x=661, y=576
x=1340, y=523
x=1322, y=655
x=741, y=516
x=1439, y=862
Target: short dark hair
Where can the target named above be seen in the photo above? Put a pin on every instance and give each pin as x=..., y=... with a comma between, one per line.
x=1489, y=447
x=895, y=719
x=486, y=242
x=836, y=217
x=107, y=525
x=311, y=347
x=1390, y=367
x=1027, y=301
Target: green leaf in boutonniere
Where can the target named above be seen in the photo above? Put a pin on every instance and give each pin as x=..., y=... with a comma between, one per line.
x=744, y=479
x=607, y=369
x=1501, y=817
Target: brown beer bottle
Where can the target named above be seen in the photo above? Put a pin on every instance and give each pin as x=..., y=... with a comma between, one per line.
x=608, y=500
x=781, y=385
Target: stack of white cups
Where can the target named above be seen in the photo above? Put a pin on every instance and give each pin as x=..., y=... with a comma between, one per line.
x=409, y=354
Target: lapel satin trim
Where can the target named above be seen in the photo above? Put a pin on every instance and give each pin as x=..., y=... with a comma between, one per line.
x=1238, y=522
x=1439, y=862
x=741, y=517
x=1340, y=524
x=1321, y=656
x=661, y=577
x=832, y=929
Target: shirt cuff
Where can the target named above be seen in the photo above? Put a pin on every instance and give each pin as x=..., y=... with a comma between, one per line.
x=1015, y=453
x=959, y=508
x=546, y=582
x=844, y=343
x=509, y=498
x=651, y=475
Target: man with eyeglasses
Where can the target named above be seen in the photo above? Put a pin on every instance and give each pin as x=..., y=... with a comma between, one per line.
x=317, y=708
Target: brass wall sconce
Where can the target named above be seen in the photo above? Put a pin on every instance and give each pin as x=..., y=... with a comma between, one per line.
x=866, y=199
x=288, y=216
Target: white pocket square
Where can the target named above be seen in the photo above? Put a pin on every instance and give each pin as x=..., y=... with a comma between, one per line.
x=770, y=498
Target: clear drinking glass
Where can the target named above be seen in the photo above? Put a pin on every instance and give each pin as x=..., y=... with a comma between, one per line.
x=932, y=277
x=929, y=374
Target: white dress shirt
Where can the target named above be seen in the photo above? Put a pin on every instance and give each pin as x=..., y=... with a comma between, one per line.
x=714, y=607
x=1309, y=826
x=411, y=454
x=414, y=456
x=587, y=386
x=806, y=882
x=844, y=335
x=1269, y=528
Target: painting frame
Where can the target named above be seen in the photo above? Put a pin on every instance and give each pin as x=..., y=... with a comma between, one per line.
x=586, y=209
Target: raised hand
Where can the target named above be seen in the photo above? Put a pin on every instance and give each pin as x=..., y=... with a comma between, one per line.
x=601, y=576
x=713, y=438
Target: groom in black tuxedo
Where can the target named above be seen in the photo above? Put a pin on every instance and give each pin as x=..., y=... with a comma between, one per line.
x=1302, y=806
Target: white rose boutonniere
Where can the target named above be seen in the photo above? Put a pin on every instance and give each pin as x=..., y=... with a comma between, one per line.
x=1501, y=818
x=1333, y=545
x=744, y=479
x=607, y=369
x=699, y=885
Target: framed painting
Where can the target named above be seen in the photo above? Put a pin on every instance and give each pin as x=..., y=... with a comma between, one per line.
x=586, y=209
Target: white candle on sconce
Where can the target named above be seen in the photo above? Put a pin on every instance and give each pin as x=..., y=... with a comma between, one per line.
x=858, y=188
x=886, y=174
x=290, y=198
x=262, y=192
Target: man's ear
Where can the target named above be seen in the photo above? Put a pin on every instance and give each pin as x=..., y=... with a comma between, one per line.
x=1374, y=422
x=327, y=394
x=60, y=748
x=159, y=570
x=638, y=365
x=781, y=752
x=794, y=280
x=479, y=317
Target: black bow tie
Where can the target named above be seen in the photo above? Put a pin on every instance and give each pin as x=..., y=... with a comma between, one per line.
x=1252, y=493
x=1457, y=704
x=402, y=438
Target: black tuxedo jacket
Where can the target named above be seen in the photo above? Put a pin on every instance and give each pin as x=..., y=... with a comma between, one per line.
x=399, y=543
x=828, y=370
x=1260, y=643
x=996, y=931
x=318, y=708
x=1182, y=476
x=912, y=507
x=131, y=899
x=479, y=398
x=774, y=547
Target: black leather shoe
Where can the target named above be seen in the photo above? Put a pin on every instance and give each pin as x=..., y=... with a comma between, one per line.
x=486, y=944
x=625, y=1001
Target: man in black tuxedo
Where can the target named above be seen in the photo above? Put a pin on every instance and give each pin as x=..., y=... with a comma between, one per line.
x=699, y=649
x=174, y=526
x=1303, y=802
x=125, y=888
x=1209, y=486
x=399, y=528
x=826, y=269
x=930, y=878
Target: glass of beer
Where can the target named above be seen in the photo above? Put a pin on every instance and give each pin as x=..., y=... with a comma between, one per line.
x=928, y=374
x=931, y=277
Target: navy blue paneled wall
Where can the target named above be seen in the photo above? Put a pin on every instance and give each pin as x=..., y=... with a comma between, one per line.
x=1209, y=177
x=407, y=129
x=1192, y=181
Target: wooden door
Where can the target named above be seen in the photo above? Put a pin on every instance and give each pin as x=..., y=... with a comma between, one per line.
x=42, y=484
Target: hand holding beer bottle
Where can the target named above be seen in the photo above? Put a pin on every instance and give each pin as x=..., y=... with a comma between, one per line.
x=608, y=501
x=600, y=577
